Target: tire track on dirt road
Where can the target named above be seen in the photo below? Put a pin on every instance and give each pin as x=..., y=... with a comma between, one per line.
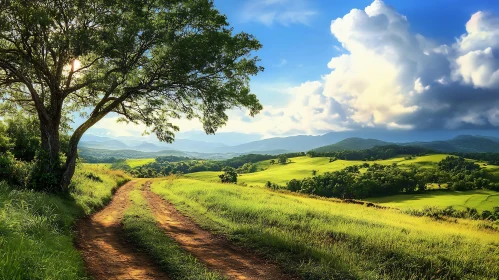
x=106, y=252
x=216, y=252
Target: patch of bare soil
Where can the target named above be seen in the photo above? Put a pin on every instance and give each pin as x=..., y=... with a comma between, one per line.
x=107, y=254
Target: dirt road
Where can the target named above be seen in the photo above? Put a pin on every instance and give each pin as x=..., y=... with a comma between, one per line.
x=106, y=252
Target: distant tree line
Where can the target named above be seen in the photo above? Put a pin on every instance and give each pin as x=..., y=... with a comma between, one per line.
x=382, y=180
x=468, y=213
x=490, y=158
x=164, y=166
x=375, y=153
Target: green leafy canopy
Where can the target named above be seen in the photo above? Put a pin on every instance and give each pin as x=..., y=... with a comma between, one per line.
x=150, y=61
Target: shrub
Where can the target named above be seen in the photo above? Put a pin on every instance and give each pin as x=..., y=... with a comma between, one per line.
x=272, y=186
x=229, y=175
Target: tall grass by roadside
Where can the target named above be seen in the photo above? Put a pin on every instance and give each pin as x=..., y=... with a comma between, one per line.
x=141, y=227
x=320, y=239
x=36, y=238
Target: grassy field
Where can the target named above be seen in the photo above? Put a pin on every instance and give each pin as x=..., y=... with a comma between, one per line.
x=141, y=227
x=302, y=167
x=36, y=238
x=139, y=162
x=479, y=199
x=322, y=239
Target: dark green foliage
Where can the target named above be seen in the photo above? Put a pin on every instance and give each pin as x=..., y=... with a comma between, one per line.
x=151, y=62
x=282, y=159
x=24, y=133
x=120, y=165
x=462, y=175
x=273, y=186
x=164, y=159
x=239, y=161
x=457, y=164
x=490, y=158
x=5, y=141
x=375, y=153
x=244, y=164
x=383, y=180
x=468, y=213
x=229, y=175
x=247, y=168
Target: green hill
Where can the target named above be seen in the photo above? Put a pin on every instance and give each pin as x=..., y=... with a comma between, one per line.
x=324, y=239
x=462, y=144
x=459, y=144
x=302, y=167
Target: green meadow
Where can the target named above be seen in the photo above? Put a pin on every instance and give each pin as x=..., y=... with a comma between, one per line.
x=36, y=236
x=139, y=162
x=326, y=239
x=302, y=167
x=479, y=199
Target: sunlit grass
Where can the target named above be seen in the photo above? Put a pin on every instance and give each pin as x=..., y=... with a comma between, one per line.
x=479, y=199
x=36, y=237
x=140, y=226
x=321, y=239
x=302, y=167
x=139, y=161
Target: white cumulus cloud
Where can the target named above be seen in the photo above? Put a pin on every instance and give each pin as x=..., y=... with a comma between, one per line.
x=385, y=77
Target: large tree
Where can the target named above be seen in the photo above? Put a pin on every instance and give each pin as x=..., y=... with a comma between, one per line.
x=150, y=61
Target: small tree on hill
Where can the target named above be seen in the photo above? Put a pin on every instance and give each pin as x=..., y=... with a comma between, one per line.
x=229, y=175
x=282, y=159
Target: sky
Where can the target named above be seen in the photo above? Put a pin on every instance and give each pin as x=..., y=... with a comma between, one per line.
x=335, y=65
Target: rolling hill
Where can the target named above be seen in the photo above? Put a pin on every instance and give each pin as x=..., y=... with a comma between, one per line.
x=459, y=144
x=462, y=144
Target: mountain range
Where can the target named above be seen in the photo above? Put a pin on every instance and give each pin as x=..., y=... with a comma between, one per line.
x=300, y=143
x=459, y=144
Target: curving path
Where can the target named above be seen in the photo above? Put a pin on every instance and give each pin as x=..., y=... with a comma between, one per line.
x=106, y=253
x=216, y=252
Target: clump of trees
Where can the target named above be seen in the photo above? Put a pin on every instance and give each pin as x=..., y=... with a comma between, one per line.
x=273, y=186
x=282, y=159
x=375, y=153
x=383, y=180
x=247, y=168
x=490, y=158
x=468, y=213
x=229, y=175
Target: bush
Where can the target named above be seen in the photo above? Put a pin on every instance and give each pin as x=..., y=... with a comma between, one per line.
x=6, y=166
x=272, y=186
x=229, y=175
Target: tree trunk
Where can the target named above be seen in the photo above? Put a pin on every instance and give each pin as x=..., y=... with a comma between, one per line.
x=50, y=141
x=70, y=167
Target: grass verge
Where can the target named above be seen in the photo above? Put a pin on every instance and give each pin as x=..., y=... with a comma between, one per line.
x=141, y=227
x=36, y=238
x=320, y=239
